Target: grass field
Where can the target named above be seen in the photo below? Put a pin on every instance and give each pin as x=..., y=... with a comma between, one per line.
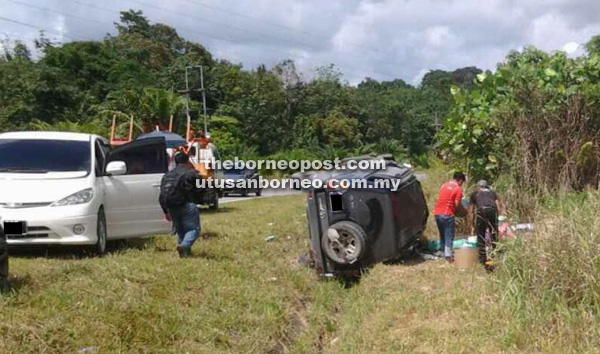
x=241, y=294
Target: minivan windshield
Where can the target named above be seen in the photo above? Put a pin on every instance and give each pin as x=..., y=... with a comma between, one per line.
x=43, y=156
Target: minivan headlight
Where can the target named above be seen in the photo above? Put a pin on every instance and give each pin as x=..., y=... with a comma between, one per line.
x=80, y=197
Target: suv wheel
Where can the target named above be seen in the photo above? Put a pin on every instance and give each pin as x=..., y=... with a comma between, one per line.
x=344, y=242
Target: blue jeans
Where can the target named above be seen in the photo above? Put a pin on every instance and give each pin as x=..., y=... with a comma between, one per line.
x=186, y=220
x=447, y=226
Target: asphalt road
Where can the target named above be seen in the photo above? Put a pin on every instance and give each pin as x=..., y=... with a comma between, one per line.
x=266, y=193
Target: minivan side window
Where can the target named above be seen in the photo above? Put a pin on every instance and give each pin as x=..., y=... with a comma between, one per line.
x=139, y=161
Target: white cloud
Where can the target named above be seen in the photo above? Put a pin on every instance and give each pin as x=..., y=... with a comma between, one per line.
x=416, y=80
x=551, y=31
x=571, y=47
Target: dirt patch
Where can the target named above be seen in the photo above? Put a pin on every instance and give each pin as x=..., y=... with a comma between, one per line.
x=296, y=324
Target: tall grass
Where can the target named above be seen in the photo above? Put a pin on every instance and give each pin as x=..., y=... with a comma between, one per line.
x=550, y=280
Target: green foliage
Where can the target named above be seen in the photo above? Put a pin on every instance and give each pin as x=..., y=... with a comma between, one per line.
x=226, y=132
x=471, y=135
x=158, y=104
x=337, y=130
x=535, y=118
x=150, y=107
x=593, y=46
x=97, y=127
x=393, y=147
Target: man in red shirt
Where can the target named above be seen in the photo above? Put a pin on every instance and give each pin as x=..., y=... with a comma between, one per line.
x=449, y=200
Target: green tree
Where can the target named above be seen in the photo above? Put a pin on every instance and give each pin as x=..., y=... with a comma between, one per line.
x=533, y=119
x=593, y=45
x=94, y=127
x=148, y=106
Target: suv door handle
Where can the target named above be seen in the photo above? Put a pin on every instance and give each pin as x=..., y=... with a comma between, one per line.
x=156, y=185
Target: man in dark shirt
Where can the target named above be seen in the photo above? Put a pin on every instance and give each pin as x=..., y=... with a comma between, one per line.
x=484, y=208
x=176, y=190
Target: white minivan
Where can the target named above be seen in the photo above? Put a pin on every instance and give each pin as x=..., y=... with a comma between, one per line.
x=74, y=189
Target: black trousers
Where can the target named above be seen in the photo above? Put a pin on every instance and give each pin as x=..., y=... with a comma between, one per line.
x=487, y=219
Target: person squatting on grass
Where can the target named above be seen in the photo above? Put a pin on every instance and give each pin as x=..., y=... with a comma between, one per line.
x=449, y=200
x=176, y=188
x=485, y=206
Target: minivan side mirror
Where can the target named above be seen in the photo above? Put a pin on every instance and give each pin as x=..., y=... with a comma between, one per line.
x=116, y=168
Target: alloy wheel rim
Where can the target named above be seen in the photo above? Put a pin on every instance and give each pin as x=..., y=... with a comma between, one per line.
x=346, y=247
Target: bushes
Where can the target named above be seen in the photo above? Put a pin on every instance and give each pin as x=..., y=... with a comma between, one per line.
x=535, y=118
x=551, y=280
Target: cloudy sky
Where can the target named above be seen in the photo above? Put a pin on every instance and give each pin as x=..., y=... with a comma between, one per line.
x=382, y=39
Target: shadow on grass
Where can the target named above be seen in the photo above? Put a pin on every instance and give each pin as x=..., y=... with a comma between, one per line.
x=410, y=258
x=348, y=279
x=78, y=252
x=129, y=244
x=210, y=256
x=16, y=283
x=220, y=210
x=207, y=235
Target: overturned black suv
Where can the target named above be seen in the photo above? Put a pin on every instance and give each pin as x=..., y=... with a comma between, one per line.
x=374, y=216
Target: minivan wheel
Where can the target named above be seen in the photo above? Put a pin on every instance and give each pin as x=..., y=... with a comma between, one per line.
x=215, y=204
x=100, y=247
x=344, y=242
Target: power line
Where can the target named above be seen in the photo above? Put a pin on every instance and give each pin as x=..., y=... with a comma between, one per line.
x=14, y=38
x=62, y=33
x=244, y=30
x=286, y=54
x=104, y=22
x=56, y=12
x=226, y=39
x=188, y=29
x=198, y=3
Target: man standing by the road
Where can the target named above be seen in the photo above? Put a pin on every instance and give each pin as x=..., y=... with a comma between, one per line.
x=449, y=200
x=485, y=207
x=176, y=190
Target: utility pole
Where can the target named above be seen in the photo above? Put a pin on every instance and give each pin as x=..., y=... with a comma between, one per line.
x=203, y=98
x=188, y=92
x=437, y=123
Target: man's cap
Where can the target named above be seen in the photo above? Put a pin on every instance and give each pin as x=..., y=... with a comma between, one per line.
x=482, y=183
